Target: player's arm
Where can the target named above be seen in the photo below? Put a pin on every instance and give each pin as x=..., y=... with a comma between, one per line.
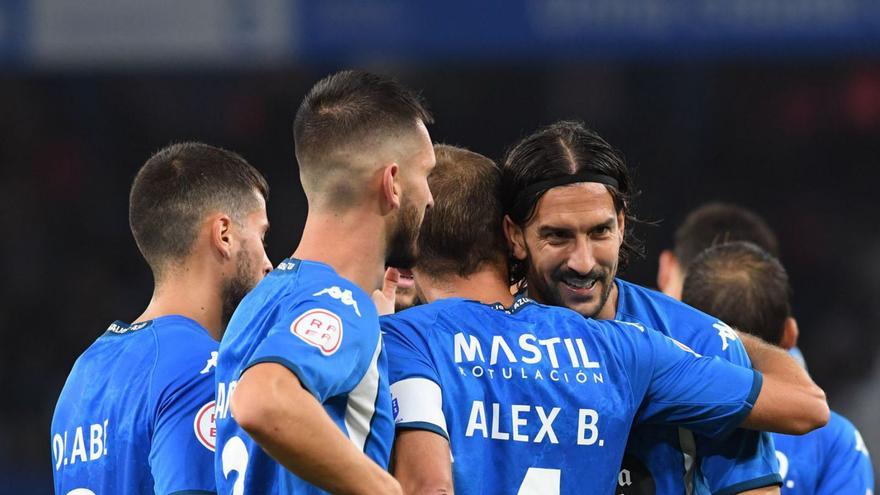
x=290, y=424
x=789, y=401
x=711, y=396
x=421, y=461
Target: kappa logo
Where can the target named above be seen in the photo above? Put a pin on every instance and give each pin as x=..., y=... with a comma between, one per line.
x=344, y=296
x=212, y=363
x=319, y=328
x=205, y=426
x=726, y=333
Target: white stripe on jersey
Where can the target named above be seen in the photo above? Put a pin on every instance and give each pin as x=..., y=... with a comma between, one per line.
x=362, y=402
x=689, y=452
x=419, y=400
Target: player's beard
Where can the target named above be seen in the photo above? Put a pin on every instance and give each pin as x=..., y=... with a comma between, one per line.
x=550, y=291
x=402, y=243
x=235, y=288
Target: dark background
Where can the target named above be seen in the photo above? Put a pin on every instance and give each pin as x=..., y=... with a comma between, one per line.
x=794, y=136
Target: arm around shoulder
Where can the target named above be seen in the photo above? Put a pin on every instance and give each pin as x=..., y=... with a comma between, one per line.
x=789, y=401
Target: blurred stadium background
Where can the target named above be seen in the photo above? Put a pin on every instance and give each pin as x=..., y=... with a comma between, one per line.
x=773, y=104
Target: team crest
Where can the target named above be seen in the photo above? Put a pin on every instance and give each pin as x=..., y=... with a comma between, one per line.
x=205, y=426
x=319, y=328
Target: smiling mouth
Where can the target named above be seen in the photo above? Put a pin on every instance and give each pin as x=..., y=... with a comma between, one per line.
x=580, y=286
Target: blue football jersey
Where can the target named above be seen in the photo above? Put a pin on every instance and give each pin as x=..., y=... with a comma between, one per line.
x=829, y=461
x=538, y=400
x=672, y=461
x=325, y=330
x=137, y=412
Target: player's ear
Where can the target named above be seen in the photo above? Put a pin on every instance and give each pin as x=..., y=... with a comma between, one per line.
x=391, y=189
x=789, y=334
x=221, y=235
x=666, y=265
x=515, y=238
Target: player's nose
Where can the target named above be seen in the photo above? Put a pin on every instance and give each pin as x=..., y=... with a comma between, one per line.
x=581, y=259
x=267, y=265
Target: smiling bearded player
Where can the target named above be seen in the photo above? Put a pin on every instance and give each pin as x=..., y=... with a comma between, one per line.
x=567, y=197
x=497, y=394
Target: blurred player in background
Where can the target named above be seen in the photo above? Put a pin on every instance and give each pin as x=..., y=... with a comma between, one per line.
x=136, y=413
x=568, y=198
x=708, y=225
x=303, y=404
x=535, y=399
x=749, y=289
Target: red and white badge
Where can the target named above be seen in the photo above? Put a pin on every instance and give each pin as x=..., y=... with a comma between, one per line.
x=320, y=328
x=205, y=426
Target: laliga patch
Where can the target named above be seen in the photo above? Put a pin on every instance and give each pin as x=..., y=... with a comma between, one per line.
x=205, y=426
x=319, y=328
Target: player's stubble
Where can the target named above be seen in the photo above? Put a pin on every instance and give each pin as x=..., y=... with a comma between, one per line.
x=402, y=244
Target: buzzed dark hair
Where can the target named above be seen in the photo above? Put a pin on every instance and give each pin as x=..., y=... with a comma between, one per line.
x=345, y=108
x=718, y=223
x=742, y=285
x=463, y=230
x=177, y=187
x=560, y=149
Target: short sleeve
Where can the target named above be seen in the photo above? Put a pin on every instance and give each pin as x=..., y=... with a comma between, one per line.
x=847, y=463
x=417, y=398
x=328, y=345
x=182, y=446
x=707, y=395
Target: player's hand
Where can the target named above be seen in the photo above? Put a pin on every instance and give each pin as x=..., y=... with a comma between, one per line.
x=385, y=298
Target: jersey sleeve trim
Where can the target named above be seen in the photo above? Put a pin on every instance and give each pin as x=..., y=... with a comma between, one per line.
x=768, y=480
x=749, y=403
x=756, y=389
x=424, y=426
x=296, y=370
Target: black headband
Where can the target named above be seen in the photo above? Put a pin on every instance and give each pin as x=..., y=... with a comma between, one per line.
x=544, y=185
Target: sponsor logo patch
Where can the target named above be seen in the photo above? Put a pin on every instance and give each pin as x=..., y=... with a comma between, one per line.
x=205, y=426
x=319, y=328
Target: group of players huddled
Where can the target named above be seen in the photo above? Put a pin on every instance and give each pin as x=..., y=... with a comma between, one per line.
x=527, y=367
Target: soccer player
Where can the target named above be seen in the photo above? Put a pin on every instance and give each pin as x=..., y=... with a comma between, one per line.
x=303, y=404
x=708, y=225
x=535, y=399
x=567, y=196
x=748, y=288
x=136, y=413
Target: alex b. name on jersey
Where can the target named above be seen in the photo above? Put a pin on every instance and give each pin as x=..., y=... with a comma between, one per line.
x=557, y=361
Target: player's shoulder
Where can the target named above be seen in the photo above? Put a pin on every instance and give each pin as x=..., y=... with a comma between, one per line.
x=637, y=302
x=704, y=333
x=423, y=318
x=319, y=287
x=841, y=431
x=184, y=348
